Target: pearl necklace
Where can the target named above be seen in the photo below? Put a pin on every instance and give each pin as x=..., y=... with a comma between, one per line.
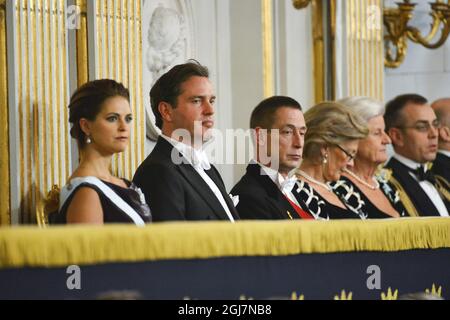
x=308, y=177
x=375, y=187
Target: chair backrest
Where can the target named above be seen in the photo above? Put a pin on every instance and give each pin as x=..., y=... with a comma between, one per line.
x=49, y=205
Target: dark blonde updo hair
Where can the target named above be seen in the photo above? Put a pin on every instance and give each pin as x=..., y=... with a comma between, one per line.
x=331, y=124
x=87, y=102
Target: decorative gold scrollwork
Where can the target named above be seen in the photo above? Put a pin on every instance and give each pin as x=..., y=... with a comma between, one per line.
x=300, y=4
x=398, y=31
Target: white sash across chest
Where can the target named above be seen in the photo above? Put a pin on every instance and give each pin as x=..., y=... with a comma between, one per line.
x=107, y=191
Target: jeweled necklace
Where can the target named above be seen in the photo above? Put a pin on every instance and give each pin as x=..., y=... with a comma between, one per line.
x=375, y=187
x=308, y=177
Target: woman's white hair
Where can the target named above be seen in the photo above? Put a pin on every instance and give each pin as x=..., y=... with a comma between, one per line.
x=367, y=108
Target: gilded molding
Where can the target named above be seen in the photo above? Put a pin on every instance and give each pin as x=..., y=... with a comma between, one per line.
x=365, y=62
x=267, y=33
x=5, y=199
x=333, y=54
x=398, y=30
x=321, y=76
x=118, y=52
x=42, y=93
x=364, y=49
x=318, y=52
x=300, y=4
x=82, y=45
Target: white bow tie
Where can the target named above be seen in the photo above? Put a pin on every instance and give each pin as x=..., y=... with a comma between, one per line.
x=288, y=184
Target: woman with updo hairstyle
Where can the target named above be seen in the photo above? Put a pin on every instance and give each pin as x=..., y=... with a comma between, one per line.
x=101, y=118
x=364, y=185
x=331, y=143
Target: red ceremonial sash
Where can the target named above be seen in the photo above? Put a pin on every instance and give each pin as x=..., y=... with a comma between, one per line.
x=302, y=214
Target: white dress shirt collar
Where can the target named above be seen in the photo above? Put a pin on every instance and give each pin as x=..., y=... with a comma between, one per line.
x=284, y=184
x=408, y=162
x=197, y=158
x=200, y=163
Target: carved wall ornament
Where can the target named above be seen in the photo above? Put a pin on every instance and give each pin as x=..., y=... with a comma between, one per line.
x=167, y=41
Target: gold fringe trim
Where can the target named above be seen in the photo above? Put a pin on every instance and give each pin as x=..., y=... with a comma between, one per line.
x=404, y=198
x=443, y=187
x=85, y=245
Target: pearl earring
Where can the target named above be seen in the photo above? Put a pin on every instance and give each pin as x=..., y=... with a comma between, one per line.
x=325, y=159
x=88, y=140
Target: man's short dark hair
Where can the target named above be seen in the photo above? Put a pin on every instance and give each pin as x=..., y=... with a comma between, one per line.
x=263, y=115
x=393, y=116
x=168, y=87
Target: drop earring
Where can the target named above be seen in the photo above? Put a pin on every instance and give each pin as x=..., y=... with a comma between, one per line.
x=88, y=140
x=325, y=159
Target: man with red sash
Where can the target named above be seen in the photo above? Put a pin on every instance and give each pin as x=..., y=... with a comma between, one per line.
x=265, y=191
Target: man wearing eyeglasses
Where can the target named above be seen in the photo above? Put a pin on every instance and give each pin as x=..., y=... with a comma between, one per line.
x=441, y=166
x=413, y=128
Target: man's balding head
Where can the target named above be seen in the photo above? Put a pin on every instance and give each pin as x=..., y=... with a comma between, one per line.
x=442, y=109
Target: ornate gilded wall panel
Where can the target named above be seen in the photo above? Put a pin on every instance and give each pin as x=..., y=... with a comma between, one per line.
x=323, y=13
x=82, y=44
x=118, y=55
x=4, y=123
x=267, y=39
x=34, y=93
x=365, y=60
x=352, y=61
x=38, y=107
x=319, y=53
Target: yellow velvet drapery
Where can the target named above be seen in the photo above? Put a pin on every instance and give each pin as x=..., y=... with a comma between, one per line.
x=87, y=245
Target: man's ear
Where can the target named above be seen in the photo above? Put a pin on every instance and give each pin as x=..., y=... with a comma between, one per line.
x=396, y=137
x=166, y=111
x=444, y=134
x=85, y=126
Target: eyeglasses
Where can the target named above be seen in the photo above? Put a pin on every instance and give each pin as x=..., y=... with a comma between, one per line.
x=423, y=126
x=349, y=155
